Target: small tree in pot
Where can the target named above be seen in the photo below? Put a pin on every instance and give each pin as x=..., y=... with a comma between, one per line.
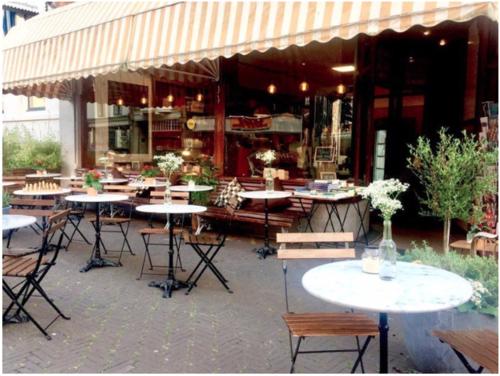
x=452, y=177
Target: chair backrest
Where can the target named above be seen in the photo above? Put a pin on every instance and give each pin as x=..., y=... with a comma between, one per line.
x=179, y=198
x=32, y=203
x=285, y=253
x=131, y=192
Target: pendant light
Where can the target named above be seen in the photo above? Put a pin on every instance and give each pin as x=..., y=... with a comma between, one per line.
x=170, y=98
x=119, y=102
x=271, y=89
x=304, y=86
x=341, y=89
x=144, y=100
x=199, y=97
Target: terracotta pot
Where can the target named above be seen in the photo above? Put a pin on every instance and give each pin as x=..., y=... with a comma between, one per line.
x=92, y=191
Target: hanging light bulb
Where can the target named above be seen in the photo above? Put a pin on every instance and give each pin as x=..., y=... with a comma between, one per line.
x=442, y=42
x=341, y=89
x=199, y=97
x=271, y=89
x=170, y=98
x=144, y=100
x=119, y=102
x=304, y=86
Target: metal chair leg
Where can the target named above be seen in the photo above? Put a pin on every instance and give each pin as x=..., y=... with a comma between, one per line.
x=360, y=354
x=294, y=357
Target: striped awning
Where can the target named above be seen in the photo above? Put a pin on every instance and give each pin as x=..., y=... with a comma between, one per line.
x=92, y=38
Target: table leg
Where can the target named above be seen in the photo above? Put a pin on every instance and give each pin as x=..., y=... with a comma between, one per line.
x=170, y=284
x=361, y=218
x=384, y=343
x=96, y=260
x=266, y=249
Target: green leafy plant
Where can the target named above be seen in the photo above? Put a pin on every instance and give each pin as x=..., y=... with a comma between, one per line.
x=481, y=271
x=206, y=177
x=452, y=175
x=149, y=172
x=5, y=199
x=91, y=180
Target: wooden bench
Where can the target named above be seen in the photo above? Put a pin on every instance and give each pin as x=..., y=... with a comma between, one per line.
x=481, y=346
x=283, y=219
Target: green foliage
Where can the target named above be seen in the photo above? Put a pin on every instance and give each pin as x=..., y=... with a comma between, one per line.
x=91, y=180
x=22, y=150
x=5, y=199
x=207, y=177
x=450, y=174
x=475, y=268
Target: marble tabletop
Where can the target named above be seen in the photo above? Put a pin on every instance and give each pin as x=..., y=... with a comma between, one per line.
x=417, y=288
x=68, y=178
x=103, y=197
x=142, y=185
x=113, y=181
x=186, y=188
x=61, y=191
x=8, y=183
x=48, y=175
x=265, y=195
x=13, y=221
x=325, y=197
x=171, y=209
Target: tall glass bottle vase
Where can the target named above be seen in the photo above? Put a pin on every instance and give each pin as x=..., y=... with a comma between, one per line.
x=168, y=193
x=269, y=180
x=388, y=253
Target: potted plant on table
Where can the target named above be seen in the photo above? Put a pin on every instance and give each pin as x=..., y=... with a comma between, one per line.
x=268, y=157
x=148, y=174
x=168, y=164
x=427, y=353
x=383, y=195
x=91, y=182
x=5, y=203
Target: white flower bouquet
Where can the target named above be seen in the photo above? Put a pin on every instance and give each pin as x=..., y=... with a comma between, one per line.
x=169, y=163
x=267, y=157
x=383, y=195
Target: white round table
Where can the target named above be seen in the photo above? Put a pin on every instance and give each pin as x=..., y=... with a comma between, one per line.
x=144, y=185
x=170, y=283
x=59, y=192
x=44, y=176
x=266, y=196
x=193, y=189
x=9, y=183
x=95, y=259
x=15, y=221
x=68, y=178
x=113, y=181
x=416, y=288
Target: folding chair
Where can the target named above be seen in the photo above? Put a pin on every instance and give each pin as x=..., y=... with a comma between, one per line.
x=335, y=324
x=77, y=212
x=41, y=209
x=479, y=345
x=121, y=219
x=32, y=265
x=180, y=198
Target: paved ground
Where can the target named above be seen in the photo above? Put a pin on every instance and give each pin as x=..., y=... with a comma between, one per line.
x=119, y=324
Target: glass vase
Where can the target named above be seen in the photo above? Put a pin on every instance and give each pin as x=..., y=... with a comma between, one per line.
x=269, y=181
x=168, y=194
x=388, y=254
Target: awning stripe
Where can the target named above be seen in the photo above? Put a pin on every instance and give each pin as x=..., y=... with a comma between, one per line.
x=91, y=38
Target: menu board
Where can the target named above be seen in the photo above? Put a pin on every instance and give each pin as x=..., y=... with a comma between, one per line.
x=324, y=154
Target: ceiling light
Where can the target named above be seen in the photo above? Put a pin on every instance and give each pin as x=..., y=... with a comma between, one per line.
x=170, y=98
x=411, y=59
x=304, y=86
x=271, y=89
x=303, y=63
x=144, y=100
x=341, y=89
x=427, y=32
x=119, y=102
x=469, y=42
x=344, y=68
x=442, y=42
x=199, y=97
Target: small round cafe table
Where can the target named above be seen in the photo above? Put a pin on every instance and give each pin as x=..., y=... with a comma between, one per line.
x=266, y=196
x=417, y=288
x=191, y=190
x=59, y=192
x=170, y=283
x=96, y=260
x=144, y=185
x=113, y=181
x=16, y=221
x=9, y=183
x=43, y=176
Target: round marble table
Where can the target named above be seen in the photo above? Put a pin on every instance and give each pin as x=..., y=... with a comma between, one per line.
x=144, y=185
x=113, y=181
x=68, y=178
x=266, y=196
x=170, y=283
x=416, y=288
x=191, y=190
x=62, y=191
x=96, y=259
x=15, y=221
x=9, y=183
x=44, y=176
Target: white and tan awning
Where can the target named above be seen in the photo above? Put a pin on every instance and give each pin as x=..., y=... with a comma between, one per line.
x=92, y=38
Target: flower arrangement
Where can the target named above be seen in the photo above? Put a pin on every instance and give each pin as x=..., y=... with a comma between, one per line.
x=149, y=172
x=91, y=180
x=169, y=163
x=383, y=195
x=268, y=157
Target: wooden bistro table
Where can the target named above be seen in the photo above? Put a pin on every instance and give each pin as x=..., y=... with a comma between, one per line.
x=266, y=196
x=170, y=283
x=96, y=260
x=191, y=190
x=417, y=288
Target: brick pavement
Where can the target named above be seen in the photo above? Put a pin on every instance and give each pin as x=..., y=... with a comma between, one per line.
x=119, y=324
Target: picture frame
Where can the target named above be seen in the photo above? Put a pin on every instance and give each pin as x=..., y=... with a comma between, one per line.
x=324, y=154
x=328, y=175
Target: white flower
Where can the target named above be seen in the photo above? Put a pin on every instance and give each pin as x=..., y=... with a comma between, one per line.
x=383, y=196
x=169, y=163
x=267, y=157
x=478, y=291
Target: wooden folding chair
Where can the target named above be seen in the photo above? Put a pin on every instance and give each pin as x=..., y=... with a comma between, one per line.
x=31, y=266
x=303, y=325
x=479, y=345
x=157, y=197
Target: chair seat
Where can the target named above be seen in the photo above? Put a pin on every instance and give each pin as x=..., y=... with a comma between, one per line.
x=110, y=220
x=17, y=252
x=330, y=324
x=202, y=239
x=161, y=231
x=479, y=345
x=19, y=266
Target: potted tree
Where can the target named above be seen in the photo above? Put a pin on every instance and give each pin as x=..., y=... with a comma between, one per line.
x=452, y=176
x=427, y=353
